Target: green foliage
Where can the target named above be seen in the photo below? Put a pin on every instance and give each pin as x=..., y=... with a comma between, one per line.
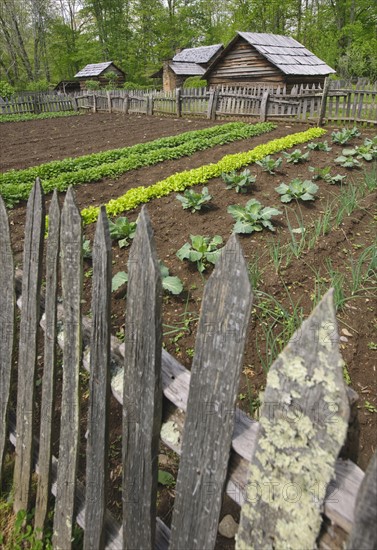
x=6, y=90
x=41, y=85
x=166, y=479
x=23, y=535
x=240, y=182
x=31, y=116
x=118, y=280
x=193, y=201
x=172, y=284
x=325, y=175
x=345, y=135
x=86, y=249
x=297, y=189
x=15, y=185
x=179, y=182
x=194, y=82
x=347, y=161
x=296, y=156
x=252, y=217
x=92, y=85
x=269, y=165
x=122, y=230
x=319, y=146
x=202, y=251
x=135, y=86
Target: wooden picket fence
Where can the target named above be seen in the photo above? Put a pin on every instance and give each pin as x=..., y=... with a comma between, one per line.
x=304, y=103
x=284, y=471
x=36, y=103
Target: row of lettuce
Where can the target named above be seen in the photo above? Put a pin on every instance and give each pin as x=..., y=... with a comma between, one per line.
x=179, y=182
x=15, y=185
x=21, y=117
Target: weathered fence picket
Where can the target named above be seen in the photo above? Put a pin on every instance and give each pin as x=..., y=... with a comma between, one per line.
x=49, y=369
x=71, y=259
x=7, y=313
x=303, y=425
x=211, y=404
x=142, y=389
x=99, y=389
x=210, y=429
x=27, y=357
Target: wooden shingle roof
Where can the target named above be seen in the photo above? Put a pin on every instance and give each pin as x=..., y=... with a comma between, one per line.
x=94, y=69
x=189, y=69
x=201, y=54
x=288, y=55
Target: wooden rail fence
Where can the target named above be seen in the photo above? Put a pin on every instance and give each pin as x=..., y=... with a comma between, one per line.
x=303, y=103
x=284, y=471
x=36, y=103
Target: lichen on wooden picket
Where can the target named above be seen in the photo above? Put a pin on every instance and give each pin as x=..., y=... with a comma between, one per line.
x=304, y=423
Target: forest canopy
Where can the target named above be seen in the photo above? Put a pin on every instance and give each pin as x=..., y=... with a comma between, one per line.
x=45, y=41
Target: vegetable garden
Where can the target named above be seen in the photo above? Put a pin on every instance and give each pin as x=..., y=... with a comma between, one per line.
x=303, y=202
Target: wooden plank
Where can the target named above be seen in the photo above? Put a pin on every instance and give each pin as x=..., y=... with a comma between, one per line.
x=304, y=423
x=264, y=106
x=49, y=369
x=142, y=389
x=178, y=102
x=71, y=267
x=7, y=312
x=27, y=357
x=364, y=533
x=322, y=111
x=99, y=388
x=211, y=403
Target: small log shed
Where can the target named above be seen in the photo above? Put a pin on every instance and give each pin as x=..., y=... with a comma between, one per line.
x=186, y=63
x=260, y=58
x=98, y=71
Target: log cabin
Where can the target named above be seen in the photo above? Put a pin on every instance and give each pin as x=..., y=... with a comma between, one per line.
x=99, y=72
x=266, y=59
x=187, y=62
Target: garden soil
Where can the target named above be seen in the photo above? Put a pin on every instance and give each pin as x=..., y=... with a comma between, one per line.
x=294, y=283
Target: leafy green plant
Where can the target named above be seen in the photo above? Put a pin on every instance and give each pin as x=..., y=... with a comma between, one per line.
x=179, y=182
x=173, y=285
x=86, y=249
x=297, y=189
x=347, y=161
x=166, y=478
x=241, y=182
x=270, y=165
x=325, y=175
x=296, y=156
x=92, y=85
x=345, y=135
x=122, y=230
x=319, y=146
x=193, y=201
x=252, y=217
x=202, y=251
x=118, y=280
x=6, y=90
x=370, y=407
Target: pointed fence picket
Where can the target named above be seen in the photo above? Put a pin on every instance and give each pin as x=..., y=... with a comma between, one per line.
x=220, y=443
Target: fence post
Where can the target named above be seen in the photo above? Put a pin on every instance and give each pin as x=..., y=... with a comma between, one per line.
x=150, y=105
x=7, y=300
x=108, y=101
x=94, y=103
x=75, y=104
x=322, y=111
x=212, y=103
x=126, y=103
x=263, y=106
x=178, y=102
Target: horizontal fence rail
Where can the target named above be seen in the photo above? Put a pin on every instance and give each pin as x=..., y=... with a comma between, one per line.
x=221, y=447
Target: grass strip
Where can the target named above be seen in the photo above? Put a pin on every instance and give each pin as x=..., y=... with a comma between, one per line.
x=41, y=116
x=179, y=182
x=14, y=192
x=54, y=168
